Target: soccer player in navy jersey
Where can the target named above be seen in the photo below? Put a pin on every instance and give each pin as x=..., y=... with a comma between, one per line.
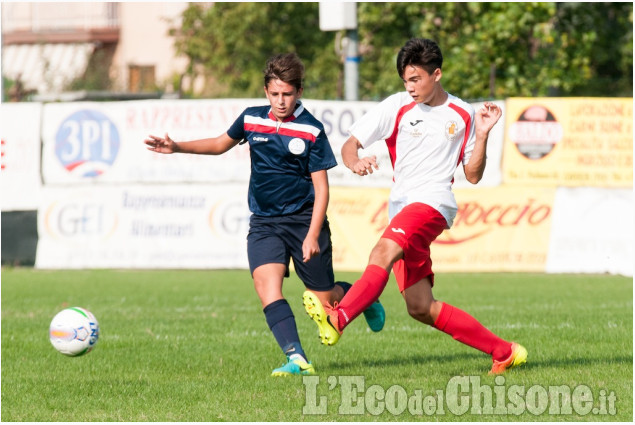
x=429, y=132
x=288, y=197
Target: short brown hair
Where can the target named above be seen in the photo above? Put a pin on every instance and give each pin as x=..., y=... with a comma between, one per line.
x=285, y=67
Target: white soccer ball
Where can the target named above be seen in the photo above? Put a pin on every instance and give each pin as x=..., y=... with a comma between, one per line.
x=74, y=331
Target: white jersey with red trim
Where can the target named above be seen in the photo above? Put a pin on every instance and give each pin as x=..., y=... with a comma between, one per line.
x=425, y=145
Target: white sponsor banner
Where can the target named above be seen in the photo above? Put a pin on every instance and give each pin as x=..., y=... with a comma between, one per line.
x=90, y=142
x=20, y=180
x=592, y=231
x=149, y=226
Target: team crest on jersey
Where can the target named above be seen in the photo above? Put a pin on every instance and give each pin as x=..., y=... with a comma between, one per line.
x=296, y=146
x=451, y=131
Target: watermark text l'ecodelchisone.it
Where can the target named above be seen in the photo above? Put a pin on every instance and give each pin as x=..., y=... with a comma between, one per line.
x=462, y=395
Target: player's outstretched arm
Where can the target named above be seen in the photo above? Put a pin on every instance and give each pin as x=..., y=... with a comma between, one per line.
x=484, y=120
x=351, y=159
x=210, y=146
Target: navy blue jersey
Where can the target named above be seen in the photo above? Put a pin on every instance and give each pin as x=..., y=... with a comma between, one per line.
x=283, y=156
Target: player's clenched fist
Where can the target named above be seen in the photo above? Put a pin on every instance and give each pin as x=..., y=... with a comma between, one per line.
x=365, y=165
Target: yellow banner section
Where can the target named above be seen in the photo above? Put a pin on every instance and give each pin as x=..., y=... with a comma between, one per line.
x=569, y=142
x=496, y=229
x=357, y=217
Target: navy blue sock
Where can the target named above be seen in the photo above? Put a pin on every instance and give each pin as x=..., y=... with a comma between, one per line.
x=282, y=323
x=344, y=285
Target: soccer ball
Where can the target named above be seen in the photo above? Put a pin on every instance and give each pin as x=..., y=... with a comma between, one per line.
x=74, y=331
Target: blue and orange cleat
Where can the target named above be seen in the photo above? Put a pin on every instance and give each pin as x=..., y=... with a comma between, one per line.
x=296, y=366
x=324, y=316
x=516, y=358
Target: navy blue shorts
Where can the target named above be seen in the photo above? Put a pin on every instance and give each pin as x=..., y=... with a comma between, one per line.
x=278, y=239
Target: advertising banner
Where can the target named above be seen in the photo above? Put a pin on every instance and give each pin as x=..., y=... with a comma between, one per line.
x=592, y=232
x=569, y=142
x=91, y=142
x=496, y=229
x=566, y=230
x=150, y=226
x=20, y=180
x=357, y=217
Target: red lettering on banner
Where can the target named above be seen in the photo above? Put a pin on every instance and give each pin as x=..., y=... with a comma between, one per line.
x=380, y=218
x=3, y=143
x=181, y=117
x=348, y=206
x=472, y=216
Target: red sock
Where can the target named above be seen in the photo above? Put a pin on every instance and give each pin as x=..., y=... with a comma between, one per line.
x=466, y=329
x=362, y=294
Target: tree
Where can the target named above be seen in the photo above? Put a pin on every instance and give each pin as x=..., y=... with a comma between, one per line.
x=491, y=50
x=606, y=25
x=498, y=50
x=96, y=76
x=230, y=42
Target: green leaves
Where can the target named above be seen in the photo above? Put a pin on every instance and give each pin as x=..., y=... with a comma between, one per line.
x=230, y=43
x=491, y=50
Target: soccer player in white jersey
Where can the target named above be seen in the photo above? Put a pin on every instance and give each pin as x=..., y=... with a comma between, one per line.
x=288, y=196
x=429, y=132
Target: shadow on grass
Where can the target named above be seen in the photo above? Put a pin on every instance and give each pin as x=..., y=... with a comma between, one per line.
x=569, y=363
x=423, y=359
x=404, y=360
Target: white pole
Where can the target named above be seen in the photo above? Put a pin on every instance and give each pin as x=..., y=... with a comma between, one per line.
x=351, y=66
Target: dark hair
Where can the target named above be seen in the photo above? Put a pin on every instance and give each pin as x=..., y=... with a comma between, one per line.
x=285, y=67
x=421, y=52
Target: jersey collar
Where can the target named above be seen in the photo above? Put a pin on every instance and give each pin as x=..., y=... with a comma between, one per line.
x=299, y=108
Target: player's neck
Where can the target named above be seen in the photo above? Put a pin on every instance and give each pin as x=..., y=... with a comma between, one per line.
x=439, y=97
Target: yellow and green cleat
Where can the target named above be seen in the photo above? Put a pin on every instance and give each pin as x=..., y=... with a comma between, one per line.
x=296, y=366
x=324, y=317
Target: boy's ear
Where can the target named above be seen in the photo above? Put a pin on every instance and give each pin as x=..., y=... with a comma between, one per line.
x=437, y=75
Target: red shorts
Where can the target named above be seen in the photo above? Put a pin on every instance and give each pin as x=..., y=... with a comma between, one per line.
x=414, y=229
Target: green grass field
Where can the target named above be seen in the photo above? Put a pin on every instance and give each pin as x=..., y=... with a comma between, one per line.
x=194, y=346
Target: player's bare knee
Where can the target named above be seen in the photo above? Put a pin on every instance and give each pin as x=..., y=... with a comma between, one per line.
x=266, y=289
x=421, y=312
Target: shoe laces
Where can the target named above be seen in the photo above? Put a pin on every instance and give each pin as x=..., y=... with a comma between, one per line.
x=330, y=307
